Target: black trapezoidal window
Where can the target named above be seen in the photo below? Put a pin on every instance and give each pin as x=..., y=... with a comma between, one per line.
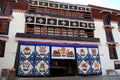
x=112, y=52
x=4, y=28
x=118, y=22
x=109, y=36
x=117, y=64
x=106, y=20
x=2, y=48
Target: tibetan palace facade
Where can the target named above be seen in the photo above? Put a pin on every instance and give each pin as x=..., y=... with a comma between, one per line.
x=46, y=38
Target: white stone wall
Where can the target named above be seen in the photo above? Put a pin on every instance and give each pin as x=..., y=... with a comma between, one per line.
x=17, y=24
x=106, y=62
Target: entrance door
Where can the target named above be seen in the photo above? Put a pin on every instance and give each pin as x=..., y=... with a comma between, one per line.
x=63, y=68
x=63, y=61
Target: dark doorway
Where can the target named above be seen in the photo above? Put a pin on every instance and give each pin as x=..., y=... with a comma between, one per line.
x=63, y=68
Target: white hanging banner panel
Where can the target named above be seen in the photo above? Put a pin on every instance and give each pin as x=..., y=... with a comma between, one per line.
x=34, y=60
x=88, y=60
x=59, y=52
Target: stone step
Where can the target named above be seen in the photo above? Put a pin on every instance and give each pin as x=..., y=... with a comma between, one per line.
x=75, y=78
x=50, y=78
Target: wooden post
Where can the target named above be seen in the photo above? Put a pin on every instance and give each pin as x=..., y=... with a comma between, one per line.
x=12, y=74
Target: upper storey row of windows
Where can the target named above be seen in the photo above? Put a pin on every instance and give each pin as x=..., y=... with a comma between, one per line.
x=57, y=5
x=55, y=31
x=58, y=22
x=60, y=9
x=54, y=18
x=61, y=13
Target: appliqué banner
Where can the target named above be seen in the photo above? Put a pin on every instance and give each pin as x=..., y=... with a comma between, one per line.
x=34, y=60
x=62, y=52
x=88, y=60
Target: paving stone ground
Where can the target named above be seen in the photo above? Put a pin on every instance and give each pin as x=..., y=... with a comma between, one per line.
x=108, y=77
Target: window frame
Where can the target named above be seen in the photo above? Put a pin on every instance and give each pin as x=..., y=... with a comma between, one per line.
x=118, y=19
x=106, y=19
x=58, y=31
x=2, y=48
x=112, y=52
x=116, y=64
x=4, y=27
x=109, y=35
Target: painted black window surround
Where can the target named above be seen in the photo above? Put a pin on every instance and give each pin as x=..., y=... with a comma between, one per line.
x=118, y=22
x=6, y=9
x=4, y=27
x=112, y=52
x=106, y=20
x=109, y=36
x=62, y=31
x=117, y=64
x=3, y=8
x=2, y=48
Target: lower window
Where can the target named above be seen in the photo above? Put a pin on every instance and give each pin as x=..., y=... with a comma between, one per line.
x=2, y=48
x=112, y=52
x=117, y=64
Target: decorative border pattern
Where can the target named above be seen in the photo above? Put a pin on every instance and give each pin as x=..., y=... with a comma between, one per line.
x=57, y=22
x=62, y=52
x=58, y=5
